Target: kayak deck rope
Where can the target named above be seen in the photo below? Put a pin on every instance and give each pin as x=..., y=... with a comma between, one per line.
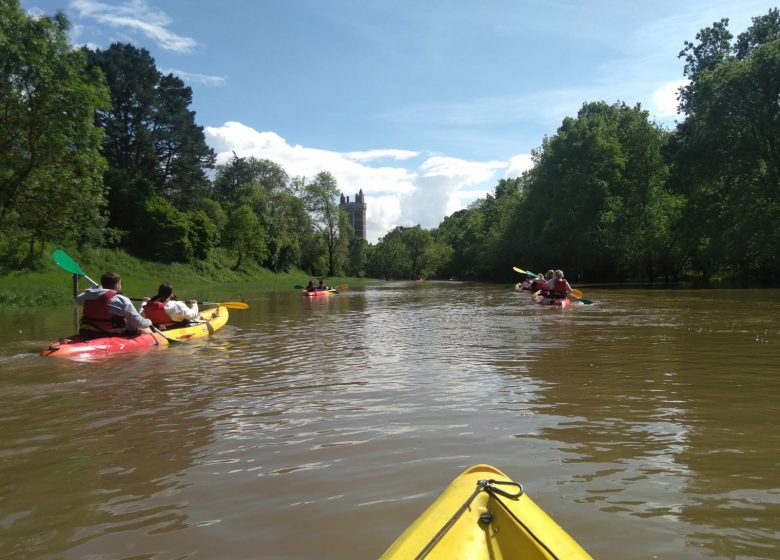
x=539, y=541
x=489, y=486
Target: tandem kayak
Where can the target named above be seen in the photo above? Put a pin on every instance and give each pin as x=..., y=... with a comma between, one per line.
x=484, y=515
x=87, y=346
x=537, y=297
x=320, y=293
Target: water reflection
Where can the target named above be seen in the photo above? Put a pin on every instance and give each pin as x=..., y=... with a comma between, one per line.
x=322, y=427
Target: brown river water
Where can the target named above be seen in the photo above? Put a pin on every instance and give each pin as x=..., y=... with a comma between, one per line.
x=645, y=424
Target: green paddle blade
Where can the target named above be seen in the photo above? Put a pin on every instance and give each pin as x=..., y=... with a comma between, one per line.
x=63, y=260
x=297, y=287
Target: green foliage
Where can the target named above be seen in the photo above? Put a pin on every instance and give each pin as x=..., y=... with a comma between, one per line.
x=245, y=235
x=149, y=132
x=611, y=195
x=407, y=253
x=212, y=279
x=726, y=154
x=203, y=234
x=390, y=259
x=50, y=167
x=166, y=236
x=326, y=217
x=357, y=261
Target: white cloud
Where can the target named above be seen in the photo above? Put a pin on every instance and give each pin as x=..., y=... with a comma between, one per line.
x=395, y=195
x=381, y=154
x=135, y=15
x=518, y=165
x=665, y=98
x=189, y=77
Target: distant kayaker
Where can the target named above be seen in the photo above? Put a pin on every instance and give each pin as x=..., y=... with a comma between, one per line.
x=321, y=285
x=310, y=287
x=165, y=309
x=106, y=310
x=558, y=286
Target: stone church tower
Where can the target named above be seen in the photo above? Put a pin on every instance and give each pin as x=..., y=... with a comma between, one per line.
x=356, y=212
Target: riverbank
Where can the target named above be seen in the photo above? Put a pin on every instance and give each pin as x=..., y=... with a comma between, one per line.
x=211, y=280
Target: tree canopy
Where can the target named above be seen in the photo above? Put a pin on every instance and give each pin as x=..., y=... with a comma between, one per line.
x=99, y=147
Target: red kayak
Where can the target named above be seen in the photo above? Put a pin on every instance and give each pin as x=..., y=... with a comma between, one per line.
x=86, y=347
x=537, y=297
x=320, y=293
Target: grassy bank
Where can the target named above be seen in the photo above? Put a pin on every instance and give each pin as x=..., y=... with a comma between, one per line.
x=211, y=280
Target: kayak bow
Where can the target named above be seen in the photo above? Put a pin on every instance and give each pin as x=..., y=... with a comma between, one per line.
x=484, y=515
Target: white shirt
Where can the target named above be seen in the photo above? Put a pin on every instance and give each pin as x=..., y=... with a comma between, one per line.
x=178, y=310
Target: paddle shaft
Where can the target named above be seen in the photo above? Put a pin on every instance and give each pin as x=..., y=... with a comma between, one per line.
x=228, y=304
x=170, y=340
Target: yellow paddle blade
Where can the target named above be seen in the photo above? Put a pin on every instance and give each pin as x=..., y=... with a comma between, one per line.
x=520, y=270
x=577, y=293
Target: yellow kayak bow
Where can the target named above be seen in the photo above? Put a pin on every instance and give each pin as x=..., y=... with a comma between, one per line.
x=483, y=514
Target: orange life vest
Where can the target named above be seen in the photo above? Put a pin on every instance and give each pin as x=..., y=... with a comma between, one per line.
x=559, y=289
x=153, y=310
x=97, y=316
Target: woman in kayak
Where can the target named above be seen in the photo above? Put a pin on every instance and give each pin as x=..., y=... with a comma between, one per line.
x=310, y=287
x=558, y=286
x=106, y=310
x=164, y=309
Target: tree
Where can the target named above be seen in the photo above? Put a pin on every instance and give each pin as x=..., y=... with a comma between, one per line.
x=245, y=235
x=50, y=165
x=166, y=235
x=265, y=186
x=727, y=152
x=358, y=257
x=416, y=240
x=320, y=197
x=149, y=132
x=390, y=257
x=595, y=200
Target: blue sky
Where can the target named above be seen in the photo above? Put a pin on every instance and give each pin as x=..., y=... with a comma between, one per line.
x=424, y=105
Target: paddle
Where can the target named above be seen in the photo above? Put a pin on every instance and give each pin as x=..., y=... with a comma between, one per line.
x=521, y=271
x=577, y=294
x=581, y=300
x=227, y=304
x=169, y=339
x=63, y=260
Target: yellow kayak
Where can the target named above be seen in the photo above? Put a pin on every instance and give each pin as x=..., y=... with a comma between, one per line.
x=483, y=514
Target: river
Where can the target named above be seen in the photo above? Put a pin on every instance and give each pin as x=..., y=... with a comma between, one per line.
x=645, y=424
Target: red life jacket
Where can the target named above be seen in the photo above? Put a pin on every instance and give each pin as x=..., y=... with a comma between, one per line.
x=559, y=289
x=153, y=310
x=97, y=316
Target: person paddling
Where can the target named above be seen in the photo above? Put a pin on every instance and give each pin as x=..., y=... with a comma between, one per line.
x=558, y=286
x=163, y=309
x=106, y=310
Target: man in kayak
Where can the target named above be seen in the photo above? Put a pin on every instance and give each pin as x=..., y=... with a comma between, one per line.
x=321, y=286
x=310, y=287
x=106, y=310
x=165, y=309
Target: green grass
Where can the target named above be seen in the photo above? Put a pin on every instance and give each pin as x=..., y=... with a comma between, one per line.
x=211, y=280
